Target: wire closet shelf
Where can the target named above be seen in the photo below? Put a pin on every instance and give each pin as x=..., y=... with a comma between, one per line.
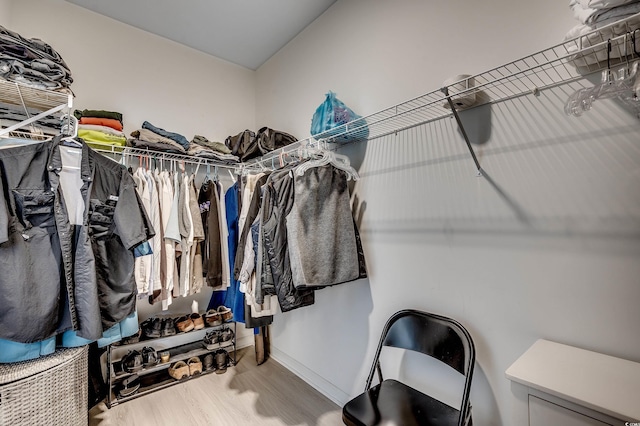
x=120, y=152
x=563, y=63
x=46, y=102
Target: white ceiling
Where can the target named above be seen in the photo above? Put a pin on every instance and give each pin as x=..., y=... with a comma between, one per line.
x=245, y=32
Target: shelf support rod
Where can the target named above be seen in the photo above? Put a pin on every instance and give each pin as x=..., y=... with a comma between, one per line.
x=445, y=90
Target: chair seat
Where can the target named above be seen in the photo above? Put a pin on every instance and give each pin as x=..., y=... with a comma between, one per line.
x=394, y=403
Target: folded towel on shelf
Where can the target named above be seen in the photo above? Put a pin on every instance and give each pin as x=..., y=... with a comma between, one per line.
x=586, y=37
x=591, y=15
x=109, y=122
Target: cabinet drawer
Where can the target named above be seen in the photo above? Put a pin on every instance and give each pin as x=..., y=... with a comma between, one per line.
x=545, y=413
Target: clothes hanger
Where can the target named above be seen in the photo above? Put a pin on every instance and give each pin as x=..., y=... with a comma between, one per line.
x=71, y=130
x=339, y=161
x=621, y=84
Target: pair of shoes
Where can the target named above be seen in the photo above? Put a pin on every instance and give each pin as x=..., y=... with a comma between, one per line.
x=132, y=362
x=149, y=357
x=221, y=359
x=184, y=324
x=213, y=318
x=152, y=328
x=168, y=327
x=198, y=322
x=129, y=386
x=179, y=370
x=225, y=313
x=215, y=337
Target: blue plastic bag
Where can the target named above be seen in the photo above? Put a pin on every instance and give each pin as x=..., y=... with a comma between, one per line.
x=331, y=116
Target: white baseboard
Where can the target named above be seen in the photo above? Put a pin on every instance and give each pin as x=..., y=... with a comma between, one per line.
x=313, y=379
x=244, y=341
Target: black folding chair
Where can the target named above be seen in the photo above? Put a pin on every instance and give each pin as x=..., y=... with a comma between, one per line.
x=392, y=402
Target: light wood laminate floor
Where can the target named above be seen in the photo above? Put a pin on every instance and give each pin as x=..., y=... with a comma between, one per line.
x=246, y=394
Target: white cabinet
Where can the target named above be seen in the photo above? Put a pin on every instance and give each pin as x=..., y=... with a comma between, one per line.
x=562, y=385
x=545, y=413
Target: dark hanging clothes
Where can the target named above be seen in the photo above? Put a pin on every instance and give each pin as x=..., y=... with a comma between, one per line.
x=82, y=291
x=277, y=202
x=211, y=249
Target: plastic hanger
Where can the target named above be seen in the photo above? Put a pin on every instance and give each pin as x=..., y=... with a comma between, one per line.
x=623, y=84
x=339, y=161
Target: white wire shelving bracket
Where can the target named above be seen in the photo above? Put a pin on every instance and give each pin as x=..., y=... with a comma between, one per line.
x=120, y=151
x=47, y=101
x=560, y=64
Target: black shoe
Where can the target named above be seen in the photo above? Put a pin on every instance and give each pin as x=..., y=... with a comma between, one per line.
x=212, y=339
x=226, y=334
x=221, y=358
x=168, y=327
x=152, y=328
x=129, y=386
x=132, y=362
x=149, y=357
x=208, y=362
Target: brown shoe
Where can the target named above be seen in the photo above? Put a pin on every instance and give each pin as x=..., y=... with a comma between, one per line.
x=180, y=370
x=195, y=365
x=198, y=322
x=213, y=318
x=225, y=313
x=184, y=324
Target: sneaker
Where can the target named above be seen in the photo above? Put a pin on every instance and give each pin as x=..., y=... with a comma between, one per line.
x=132, y=362
x=184, y=324
x=179, y=370
x=212, y=339
x=152, y=328
x=226, y=335
x=168, y=327
x=198, y=322
x=149, y=357
x=221, y=357
x=195, y=366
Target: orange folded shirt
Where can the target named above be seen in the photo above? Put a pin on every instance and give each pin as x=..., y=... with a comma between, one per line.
x=109, y=122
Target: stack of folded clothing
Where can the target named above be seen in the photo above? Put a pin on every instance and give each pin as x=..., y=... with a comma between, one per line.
x=158, y=139
x=32, y=62
x=595, y=14
x=204, y=148
x=99, y=128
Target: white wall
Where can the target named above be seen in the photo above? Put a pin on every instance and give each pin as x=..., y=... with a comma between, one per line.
x=120, y=68
x=5, y=13
x=146, y=77
x=436, y=237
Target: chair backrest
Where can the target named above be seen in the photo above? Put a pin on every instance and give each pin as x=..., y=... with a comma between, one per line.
x=440, y=337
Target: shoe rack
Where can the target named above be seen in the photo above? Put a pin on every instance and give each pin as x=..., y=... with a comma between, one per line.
x=181, y=347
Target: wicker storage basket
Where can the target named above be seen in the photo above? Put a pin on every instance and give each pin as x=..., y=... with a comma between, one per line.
x=50, y=390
